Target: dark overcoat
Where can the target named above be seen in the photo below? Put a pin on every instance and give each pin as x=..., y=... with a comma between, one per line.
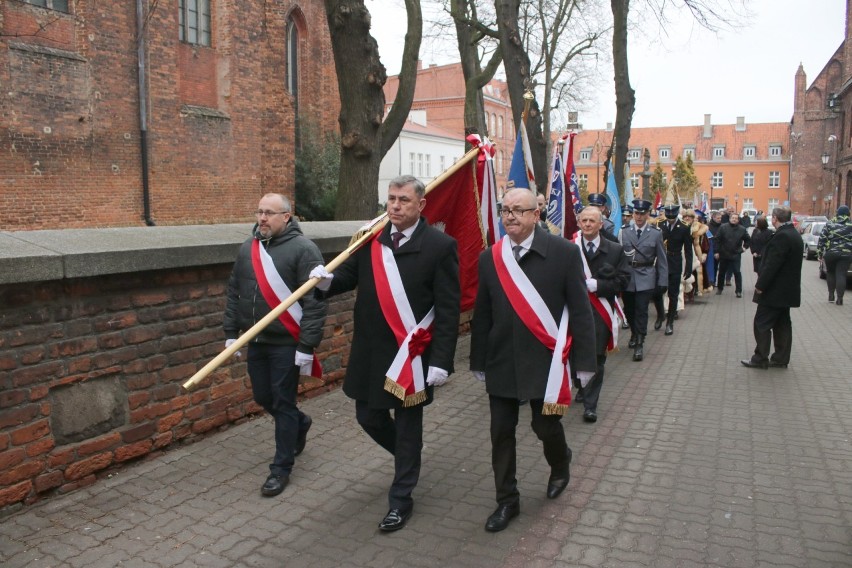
x=780, y=277
x=608, y=265
x=677, y=240
x=515, y=363
x=429, y=267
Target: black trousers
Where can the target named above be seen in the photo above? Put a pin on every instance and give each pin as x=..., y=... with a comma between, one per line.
x=730, y=266
x=675, y=263
x=592, y=391
x=636, y=308
x=504, y=422
x=402, y=436
x=836, y=268
x=769, y=322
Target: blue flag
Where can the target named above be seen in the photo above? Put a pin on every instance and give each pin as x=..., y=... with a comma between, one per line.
x=615, y=203
x=521, y=169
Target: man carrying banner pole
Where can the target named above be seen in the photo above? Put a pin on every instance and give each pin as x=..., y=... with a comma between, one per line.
x=406, y=326
x=532, y=312
x=273, y=262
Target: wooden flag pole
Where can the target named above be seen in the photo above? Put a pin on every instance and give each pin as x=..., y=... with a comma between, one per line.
x=358, y=241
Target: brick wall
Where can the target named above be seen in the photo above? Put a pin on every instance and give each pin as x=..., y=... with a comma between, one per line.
x=69, y=112
x=131, y=339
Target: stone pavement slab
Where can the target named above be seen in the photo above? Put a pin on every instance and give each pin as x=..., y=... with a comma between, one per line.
x=695, y=461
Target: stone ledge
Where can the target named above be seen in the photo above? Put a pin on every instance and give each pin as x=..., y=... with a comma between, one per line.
x=35, y=256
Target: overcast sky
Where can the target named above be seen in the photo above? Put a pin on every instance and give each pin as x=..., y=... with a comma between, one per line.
x=680, y=76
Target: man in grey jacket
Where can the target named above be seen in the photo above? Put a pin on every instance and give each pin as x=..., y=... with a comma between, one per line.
x=275, y=261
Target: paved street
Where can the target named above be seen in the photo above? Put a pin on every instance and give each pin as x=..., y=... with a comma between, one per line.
x=695, y=461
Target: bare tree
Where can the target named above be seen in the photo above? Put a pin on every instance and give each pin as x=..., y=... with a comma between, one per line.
x=365, y=137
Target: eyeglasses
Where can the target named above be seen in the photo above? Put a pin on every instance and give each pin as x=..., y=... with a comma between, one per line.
x=515, y=213
x=262, y=213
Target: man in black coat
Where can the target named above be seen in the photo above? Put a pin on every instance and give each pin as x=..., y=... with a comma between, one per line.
x=778, y=288
x=428, y=267
x=516, y=362
x=731, y=240
x=677, y=239
x=609, y=276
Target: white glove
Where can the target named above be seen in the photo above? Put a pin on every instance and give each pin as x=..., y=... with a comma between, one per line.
x=228, y=343
x=585, y=377
x=436, y=377
x=592, y=284
x=325, y=277
x=479, y=375
x=304, y=361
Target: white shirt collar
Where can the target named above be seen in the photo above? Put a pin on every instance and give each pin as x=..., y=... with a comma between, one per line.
x=596, y=241
x=406, y=233
x=525, y=244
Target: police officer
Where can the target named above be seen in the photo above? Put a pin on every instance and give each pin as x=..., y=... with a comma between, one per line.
x=643, y=245
x=677, y=239
x=608, y=230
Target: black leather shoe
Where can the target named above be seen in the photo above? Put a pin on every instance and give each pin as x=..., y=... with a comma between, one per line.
x=658, y=324
x=590, y=416
x=838, y=301
x=500, y=518
x=777, y=365
x=557, y=484
x=632, y=343
x=831, y=296
x=739, y=294
x=718, y=291
x=755, y=364
x=394, y=520
x=274, y=485
x=669, y=329
x=303, y=435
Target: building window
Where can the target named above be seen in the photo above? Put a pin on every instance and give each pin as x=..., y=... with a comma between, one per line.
x=634, y=155
x=749, y=152
x=58, y=5
x=443, y=162
x=292, y=57
x=500, y=126
x=585, y=155
x=774, y=179
x=775, y=151
x=428, y=165
x=411, y=163
x=493, y=126
x=718, y=151
x=583, y=181
x=665, y=153
x=748, y=203
x=748, y=180
x=419, y=165
x=634, y=180
x=773, y=203
x=500, y=162
x=717, y=180
x=689, y=153
x=194, y=19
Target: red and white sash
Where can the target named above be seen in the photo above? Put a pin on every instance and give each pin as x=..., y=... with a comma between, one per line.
x=404, y=379
x=530, y=307
x=602, y=305
x=275, y=291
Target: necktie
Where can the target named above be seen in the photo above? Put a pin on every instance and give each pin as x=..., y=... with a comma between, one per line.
x=517, y=250
x=591, y=248
x=396, y=237
x=638, y=233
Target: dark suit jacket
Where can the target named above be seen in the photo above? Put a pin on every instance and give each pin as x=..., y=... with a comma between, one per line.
x=429, y=266
x=608, y=266
x=677, y=241
x=780, y=279
x=515, y=363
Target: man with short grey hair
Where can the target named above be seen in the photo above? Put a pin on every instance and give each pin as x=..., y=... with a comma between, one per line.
x=778, y=288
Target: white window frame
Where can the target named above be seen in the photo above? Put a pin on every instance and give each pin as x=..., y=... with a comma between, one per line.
x=585, y=155
x=774, y=179
x=749, y=152
x=748, y=180
x=748, y=203
x=687, y=152
x=634, y=155
x=775, y=150
x=718, y=180
x=665, y=153
x=718, y=152
x=411, y=163
x=772, y=204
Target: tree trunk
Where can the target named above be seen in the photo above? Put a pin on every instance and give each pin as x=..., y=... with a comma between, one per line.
x=517, y=65
x=625, y=96
x=360, y=78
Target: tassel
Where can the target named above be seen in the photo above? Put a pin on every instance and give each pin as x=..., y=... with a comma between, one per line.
x=553, y=408
x=394, y=388
x=415, y=399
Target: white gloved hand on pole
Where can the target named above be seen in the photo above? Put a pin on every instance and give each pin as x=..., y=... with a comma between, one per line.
x=305, y=361
x=228, y=343
x=436, y=376
x=324, y=276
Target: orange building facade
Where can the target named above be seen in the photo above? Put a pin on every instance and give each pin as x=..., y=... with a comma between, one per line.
x=745, y=166
x=440, y=92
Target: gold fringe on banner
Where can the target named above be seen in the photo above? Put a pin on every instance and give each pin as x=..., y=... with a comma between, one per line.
x=415, y=399
x=553, y=408
x=396, y=389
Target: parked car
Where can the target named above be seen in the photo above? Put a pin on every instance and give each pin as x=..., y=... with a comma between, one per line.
x=811, y=239
x=808, y=221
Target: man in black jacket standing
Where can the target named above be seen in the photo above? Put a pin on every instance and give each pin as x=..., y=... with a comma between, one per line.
x=778, y=288
x=730, y=243
x=275, y=261
x=677, y=239
x=607, y=275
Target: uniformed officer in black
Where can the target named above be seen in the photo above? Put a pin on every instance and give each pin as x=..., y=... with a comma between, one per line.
x=677, y=239
x=627, y=215
x=608, y=230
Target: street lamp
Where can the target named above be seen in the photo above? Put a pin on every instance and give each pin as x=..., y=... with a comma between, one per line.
x=736, y=203
x=825, y=158
x=813, y=205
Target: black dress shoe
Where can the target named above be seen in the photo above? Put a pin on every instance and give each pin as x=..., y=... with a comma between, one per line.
x=718, y=291
x=838, y=301
x=394, y=520
x=831, y=296
x=303, y=435
x=632, y=343
x=658, y=324
x=739, y=294
x=500, y=518
x=590, y=416
x=777, y=365
x=274, y=485
x=755, y=364
x=669, y=329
